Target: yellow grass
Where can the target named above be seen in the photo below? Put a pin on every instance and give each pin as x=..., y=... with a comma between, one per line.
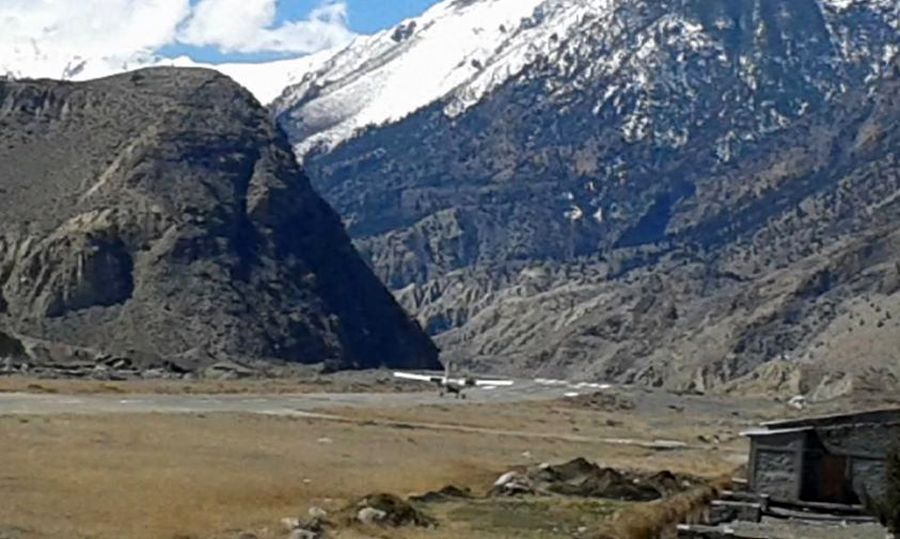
x=155, y=476
x=193, y=476
x=199, y=387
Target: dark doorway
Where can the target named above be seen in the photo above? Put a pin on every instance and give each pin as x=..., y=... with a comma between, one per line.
x=834, y=479
x=826, y=478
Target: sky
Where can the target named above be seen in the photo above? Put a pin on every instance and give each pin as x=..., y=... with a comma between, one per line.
x=362, y=17
x=208, y=31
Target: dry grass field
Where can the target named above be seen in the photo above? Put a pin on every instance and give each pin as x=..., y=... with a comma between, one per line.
x=218, y=475
x=215, y=476
x=274, y=386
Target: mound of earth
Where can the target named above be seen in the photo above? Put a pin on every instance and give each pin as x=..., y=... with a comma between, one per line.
x=582, y=478
x=161, y=213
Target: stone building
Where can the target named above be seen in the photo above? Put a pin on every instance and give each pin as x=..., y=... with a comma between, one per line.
x=831, y=459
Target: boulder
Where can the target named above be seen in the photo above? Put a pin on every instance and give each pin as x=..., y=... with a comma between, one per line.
x=390, y=510
x=370, y=515
x=513, y=484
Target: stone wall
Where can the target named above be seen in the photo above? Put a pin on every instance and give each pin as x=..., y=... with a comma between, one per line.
x=866, y=445
x=776, y=465
x=872, y=439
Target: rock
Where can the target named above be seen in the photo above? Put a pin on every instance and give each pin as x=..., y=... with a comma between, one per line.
x=513, y=484
x=228, y=370
x=181, y=227
x=370, y=515
x=309, y=530
x=797, y=402
x=314, y=528
x=390, y=510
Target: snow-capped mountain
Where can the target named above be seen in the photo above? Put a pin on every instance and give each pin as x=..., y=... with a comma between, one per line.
x=385, y=77
x=604, y=145
x=266, y=80
x=460, y=51
x=666, y=191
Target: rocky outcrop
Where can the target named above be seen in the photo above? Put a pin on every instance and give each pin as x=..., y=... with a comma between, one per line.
x=161, y=212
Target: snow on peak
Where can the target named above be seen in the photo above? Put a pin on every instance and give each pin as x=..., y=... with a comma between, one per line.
x=265, y=80
x=471, y=45
x=459, y=51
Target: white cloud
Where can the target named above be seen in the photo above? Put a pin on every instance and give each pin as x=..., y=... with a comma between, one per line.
x=248, y=26
x=47, y=38
x=42, y=35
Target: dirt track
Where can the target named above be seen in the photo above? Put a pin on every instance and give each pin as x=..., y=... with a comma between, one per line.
x=308, y=406
x=296, y=404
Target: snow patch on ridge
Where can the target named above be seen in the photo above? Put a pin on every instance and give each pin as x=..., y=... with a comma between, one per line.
x=460, y=51
x=388, y=76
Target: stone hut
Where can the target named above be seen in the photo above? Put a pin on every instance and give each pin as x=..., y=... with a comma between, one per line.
x=831, y=459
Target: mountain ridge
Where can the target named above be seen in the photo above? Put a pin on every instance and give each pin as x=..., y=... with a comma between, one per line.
x=179, y=226
x=652, y=138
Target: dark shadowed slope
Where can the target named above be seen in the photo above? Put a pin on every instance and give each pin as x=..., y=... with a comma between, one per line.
x=160, y=212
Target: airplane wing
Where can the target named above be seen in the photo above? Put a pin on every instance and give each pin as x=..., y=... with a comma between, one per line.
x=418, y=377
x=494, y=383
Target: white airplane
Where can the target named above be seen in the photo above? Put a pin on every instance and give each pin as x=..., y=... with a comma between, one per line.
x=453, y=386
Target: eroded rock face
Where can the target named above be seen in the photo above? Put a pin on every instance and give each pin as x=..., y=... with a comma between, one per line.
x=161, y=212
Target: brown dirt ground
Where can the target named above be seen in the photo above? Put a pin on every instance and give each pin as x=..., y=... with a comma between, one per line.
x=195, y=476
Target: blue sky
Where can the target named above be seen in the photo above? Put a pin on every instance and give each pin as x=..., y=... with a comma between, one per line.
x=364, y=17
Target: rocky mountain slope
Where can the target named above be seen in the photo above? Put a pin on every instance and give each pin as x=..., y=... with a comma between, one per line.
x=671, y=192
x=161, y=213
